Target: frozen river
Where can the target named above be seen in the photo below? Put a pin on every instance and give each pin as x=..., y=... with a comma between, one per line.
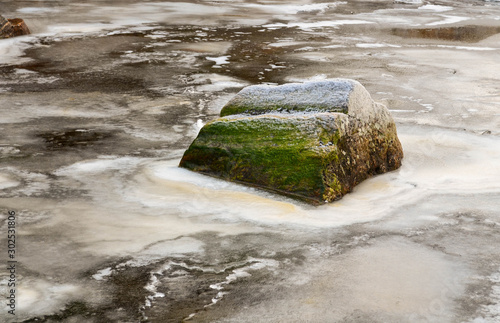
x=100, y=102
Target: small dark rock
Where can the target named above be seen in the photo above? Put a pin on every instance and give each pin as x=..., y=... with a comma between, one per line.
x=19, y=27
x=13, y=27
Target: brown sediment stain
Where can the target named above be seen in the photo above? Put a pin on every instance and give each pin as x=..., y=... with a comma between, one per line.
x=469, y=34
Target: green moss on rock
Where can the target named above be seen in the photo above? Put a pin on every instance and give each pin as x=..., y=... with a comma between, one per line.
x=286, y=156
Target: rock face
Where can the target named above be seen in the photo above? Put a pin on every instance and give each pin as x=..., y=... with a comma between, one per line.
x=12, y=27
x=313, y=141
x=19, y=26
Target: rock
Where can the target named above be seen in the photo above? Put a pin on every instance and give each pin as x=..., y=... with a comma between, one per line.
x=313, y=141
x=6, y=29
x=20, y=27
x=12, y=27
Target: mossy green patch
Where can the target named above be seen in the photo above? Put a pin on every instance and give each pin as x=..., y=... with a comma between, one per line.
x=281, y=154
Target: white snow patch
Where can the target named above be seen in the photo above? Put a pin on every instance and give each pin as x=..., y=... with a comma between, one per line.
x=219, y=86
x=491, y=312
x=12, y=50
x=408, y=1
x=317, y=24
x=256, y=264
x=7, y=181
x=221, y=60
x=304, y=49
x=468, y=47
x=7, y=151
x=437, y=8
x=103, y=274
x=199, y=124
x=162, y=249
x=35, y=10
x=293, y=9
x=376, y=45
x=317, y=77
x=33, y=184
x=448, y=20
x=334, y=46
x=96, y=166
x=40, y=297
x=285, y=43
x=273, y=66
x=216, y=82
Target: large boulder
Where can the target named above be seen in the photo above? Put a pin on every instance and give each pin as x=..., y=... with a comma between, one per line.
x=12, y=27
x=312, y=141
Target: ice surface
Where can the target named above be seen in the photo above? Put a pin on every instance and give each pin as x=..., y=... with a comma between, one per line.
x=436, y=8
x=375, y=45
x=38, y=10
x=293, y=9
x=404, y=282
x=37, y=296
x=408, y=1
x=448, y=20
x=318, y=24
x=221, y=60
x=102, y=274
x=7, y=181
x=12, y=49
x=418, y=241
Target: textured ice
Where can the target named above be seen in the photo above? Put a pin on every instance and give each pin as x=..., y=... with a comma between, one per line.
x=221, y=83
x=12, y=50
x=129, y=206
x=38, y=10
x=293, y=9
x=408, y=1
x=181, y=247
x=39, y=297
x=102, y=274
x=8, y=181
x=473, y=48
x=243, y=272
x=376, y=45
x=317, y=24
x=390, y=280
x=221, y=60
x=448, y=20
x=491, y=313
x=437, y=8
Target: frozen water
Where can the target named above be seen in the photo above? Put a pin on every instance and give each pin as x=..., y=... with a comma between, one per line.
x=448, y=20
x=436, y=8
x=317, y=24
x=100, y=102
